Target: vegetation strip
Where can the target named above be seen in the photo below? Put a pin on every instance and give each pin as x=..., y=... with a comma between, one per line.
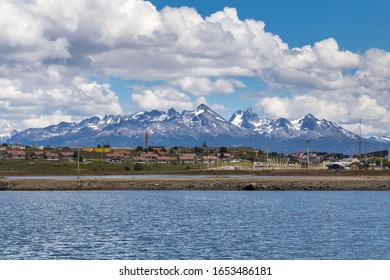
x=229, y=184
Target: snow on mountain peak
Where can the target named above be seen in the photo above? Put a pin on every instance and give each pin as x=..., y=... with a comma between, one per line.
x=237, y=118
x=190, y=127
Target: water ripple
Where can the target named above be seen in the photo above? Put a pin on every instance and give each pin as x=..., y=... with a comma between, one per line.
x=194, y=225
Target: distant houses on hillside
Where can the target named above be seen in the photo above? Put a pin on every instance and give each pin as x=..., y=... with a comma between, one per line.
x=182, y=155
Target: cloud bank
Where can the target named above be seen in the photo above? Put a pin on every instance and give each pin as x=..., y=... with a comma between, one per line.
x=56, y=59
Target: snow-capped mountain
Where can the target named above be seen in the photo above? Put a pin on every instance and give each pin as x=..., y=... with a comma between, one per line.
x=305, y=127
x=6, y=136
x=380, y=139
x=189, y=128
x=193, y=127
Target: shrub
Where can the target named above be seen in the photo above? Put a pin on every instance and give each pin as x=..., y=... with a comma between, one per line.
x=138, y=167
x=127, y=168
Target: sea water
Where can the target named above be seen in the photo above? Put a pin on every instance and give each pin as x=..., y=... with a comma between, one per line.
x=195, y=225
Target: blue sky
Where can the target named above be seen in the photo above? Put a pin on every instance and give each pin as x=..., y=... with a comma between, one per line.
x=78, y=58
x=357, y=25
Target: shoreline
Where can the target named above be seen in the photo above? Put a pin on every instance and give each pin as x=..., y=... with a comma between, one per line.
x=321, y=183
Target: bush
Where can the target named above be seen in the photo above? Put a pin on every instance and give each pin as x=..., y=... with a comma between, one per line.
x=138, y=167
x=127, y=168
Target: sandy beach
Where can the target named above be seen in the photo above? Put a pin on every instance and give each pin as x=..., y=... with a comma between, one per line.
x=214, y=183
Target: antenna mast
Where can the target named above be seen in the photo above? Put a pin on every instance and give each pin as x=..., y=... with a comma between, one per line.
x=360, y=138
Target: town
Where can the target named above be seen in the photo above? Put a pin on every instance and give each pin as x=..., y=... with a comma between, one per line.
x=19, y=160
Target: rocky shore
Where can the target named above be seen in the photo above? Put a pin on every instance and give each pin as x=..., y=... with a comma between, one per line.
x=216, y=183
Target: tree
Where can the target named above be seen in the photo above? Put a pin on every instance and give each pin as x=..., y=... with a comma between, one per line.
x=198, y=150
x=76, y=156
x=150, y=149
x=139, y=148
x=106, y=145
x=223, y=150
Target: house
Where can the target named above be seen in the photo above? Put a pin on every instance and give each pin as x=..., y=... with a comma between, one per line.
x=226, y=156
x=164, y=159
x=139, y=159
x=116, y=157
x=209, y=158
x=146, y=157
x=66, y=155
x=15, y=154
x=150, y=156
x=51, y=156
x=359, y=165
x=162, y=154
x=186, y=158
x=37, y=155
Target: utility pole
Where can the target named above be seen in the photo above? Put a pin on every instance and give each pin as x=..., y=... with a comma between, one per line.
x=217, y=160
x=307, y=143
x=360, y=137
x=380, y=139
x=78, y=161
x=266, y=155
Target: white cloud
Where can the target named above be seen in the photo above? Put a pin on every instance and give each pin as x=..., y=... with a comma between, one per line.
x=329, y=55
x=164, y=98
x=46, y=46
x=206, y=86
x=43, y=107
x=23, y=38
x=161, y=98
x=322, y=105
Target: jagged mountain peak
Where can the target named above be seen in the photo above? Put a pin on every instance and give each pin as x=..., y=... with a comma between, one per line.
x=189, y=128
x=5, y=136
x=246, y=119
x=380, y=139
x=202, y=107
x=283, y=122
x=173, y=113
x=308, y=122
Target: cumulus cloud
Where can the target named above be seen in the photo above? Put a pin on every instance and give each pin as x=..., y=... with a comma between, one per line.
x=166, y=97
x=45, y=47
x=40, y=107
x=206, y=86
x=347, y=111
x=162, y=98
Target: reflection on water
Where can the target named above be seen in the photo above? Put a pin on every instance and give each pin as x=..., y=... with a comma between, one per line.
x=194, y=225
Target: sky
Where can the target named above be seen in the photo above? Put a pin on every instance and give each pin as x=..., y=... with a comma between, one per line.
x=70, y=60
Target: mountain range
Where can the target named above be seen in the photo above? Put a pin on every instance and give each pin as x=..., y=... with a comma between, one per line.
x=191, y=128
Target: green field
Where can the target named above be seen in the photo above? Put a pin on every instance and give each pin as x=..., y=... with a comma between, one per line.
x=13, y=167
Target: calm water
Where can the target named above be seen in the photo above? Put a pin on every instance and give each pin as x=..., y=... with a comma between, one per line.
x=194, y=225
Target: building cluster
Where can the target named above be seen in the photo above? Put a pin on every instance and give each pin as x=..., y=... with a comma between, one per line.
x=158, y=154
x=45, y=155
x=164, y=157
